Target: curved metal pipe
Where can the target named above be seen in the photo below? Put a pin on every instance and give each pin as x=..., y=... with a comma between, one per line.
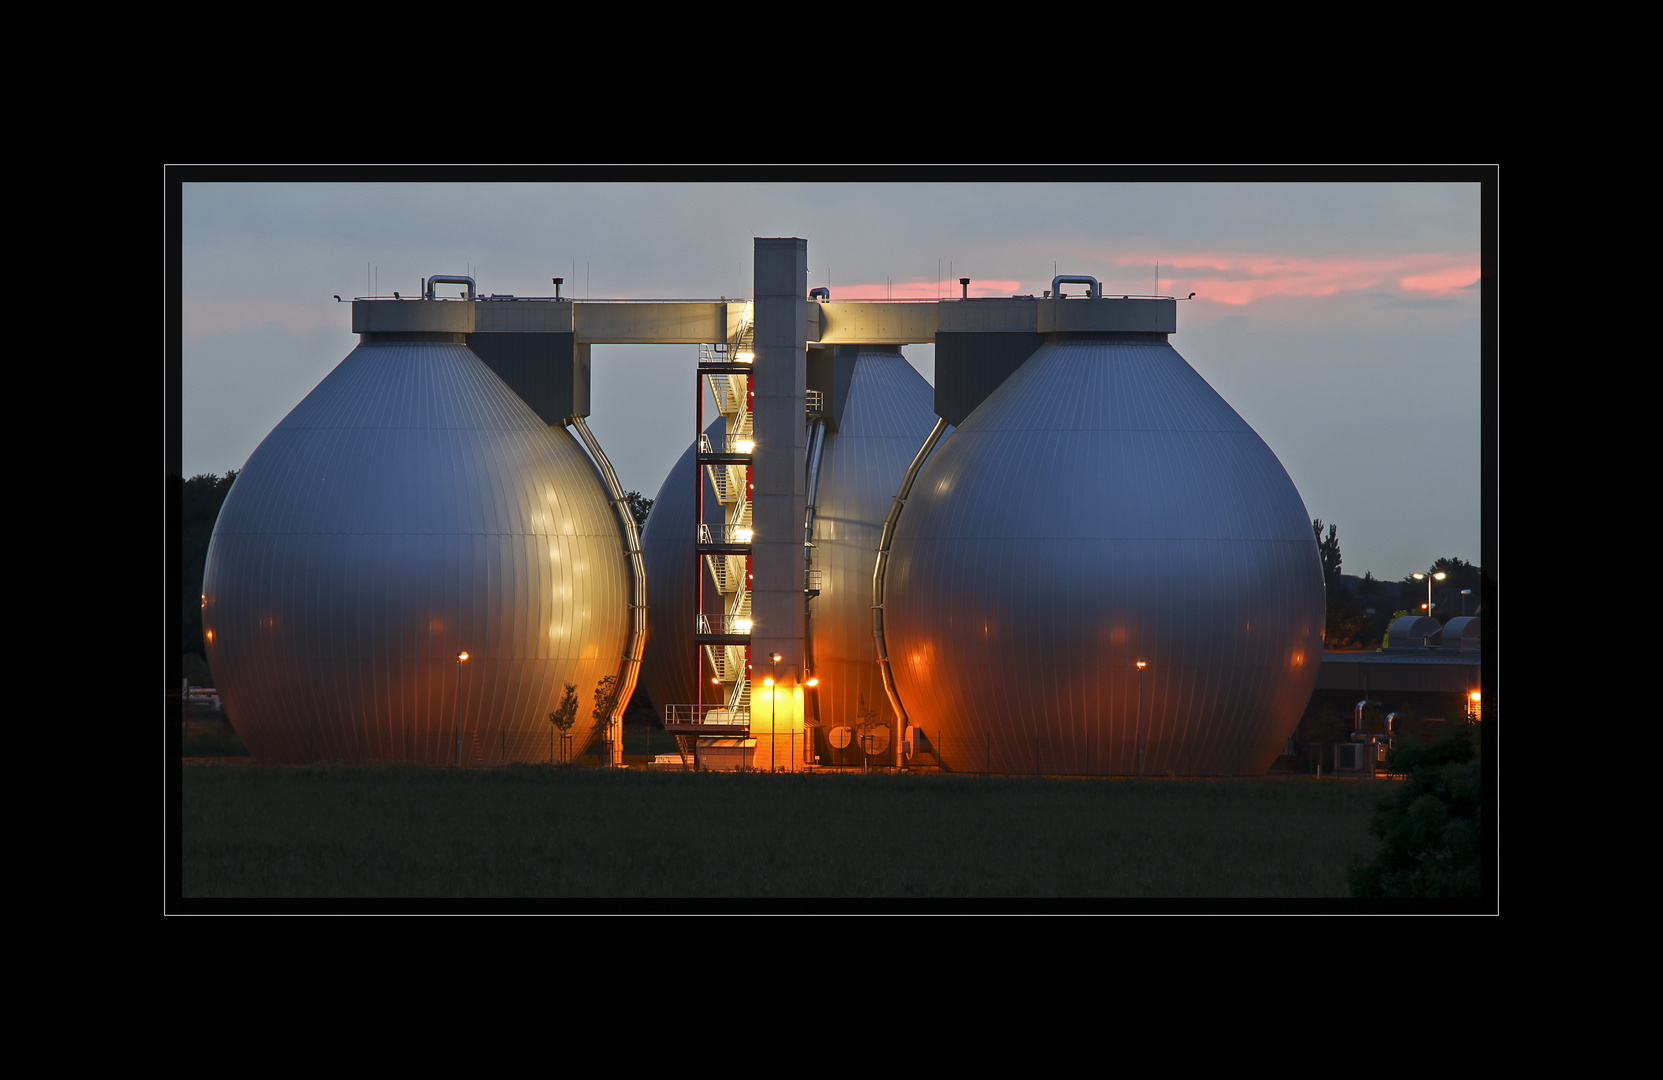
x=816, y=446
x=1096, y=292
x=821, y=293
x=630, y=666
x=450, y=279
x=878, y=571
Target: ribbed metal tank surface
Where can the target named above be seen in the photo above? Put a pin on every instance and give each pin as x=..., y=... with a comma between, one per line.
x=886, y=415
x=667, y=664
x=1105, y=505
x=410, y=507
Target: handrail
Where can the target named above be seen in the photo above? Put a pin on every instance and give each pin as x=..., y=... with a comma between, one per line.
x=707, y=623
x=729, y=534
x=630, y=667
x=732, y=444
x=707, y=714
x=881, y=568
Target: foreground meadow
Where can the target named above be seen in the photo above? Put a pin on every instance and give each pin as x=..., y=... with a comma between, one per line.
x=250, y=831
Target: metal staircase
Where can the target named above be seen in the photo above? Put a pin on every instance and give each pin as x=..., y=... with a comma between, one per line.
x=731, y=390
x=724, y=641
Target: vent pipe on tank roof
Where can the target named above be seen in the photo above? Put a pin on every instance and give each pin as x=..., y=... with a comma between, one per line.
x=821, y=293
x=450, y=279
x=1095, y=292
x=964, y=283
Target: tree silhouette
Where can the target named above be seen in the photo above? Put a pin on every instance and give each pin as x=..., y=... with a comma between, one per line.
x=1330, y=549
x=564, y=717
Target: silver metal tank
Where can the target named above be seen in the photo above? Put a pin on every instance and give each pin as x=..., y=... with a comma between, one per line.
x=667, y=664
x=1105, y=505
x=412, y=506
x=886, y=415
x=886, y=412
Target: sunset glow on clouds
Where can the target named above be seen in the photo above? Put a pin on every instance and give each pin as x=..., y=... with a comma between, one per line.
x=1242, y=278
x=1225, y=278
x=926, y=290
x=206, y=315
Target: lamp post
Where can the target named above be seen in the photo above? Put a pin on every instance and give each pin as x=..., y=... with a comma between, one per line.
x=1141, y=666
x=773, y=699
x=460, y=658
x=1464, y=594
x=811, y=683
x=1429, y=578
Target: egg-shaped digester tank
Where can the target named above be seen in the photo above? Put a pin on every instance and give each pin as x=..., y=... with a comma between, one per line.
x=885, y=414
x=410, y=508
x=1103, y=506
x=668, y=662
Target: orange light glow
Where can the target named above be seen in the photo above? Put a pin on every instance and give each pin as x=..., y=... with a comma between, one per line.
x=1473, y=695
x=461, y=656
x=767, y=682
x=812, y=681
x=1142, y=665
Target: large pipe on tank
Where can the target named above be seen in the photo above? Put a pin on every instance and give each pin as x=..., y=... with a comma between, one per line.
x=878, y=570
x=1096, y=292
x=629, y=669
x=816, y=446
x=449, y=279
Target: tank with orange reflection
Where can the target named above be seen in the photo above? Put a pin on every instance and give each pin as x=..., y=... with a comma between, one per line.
x=1105, y=506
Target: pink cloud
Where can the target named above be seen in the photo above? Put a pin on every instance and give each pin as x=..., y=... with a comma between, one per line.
x=1237, y=278
x=205, y=315
x=923, y=290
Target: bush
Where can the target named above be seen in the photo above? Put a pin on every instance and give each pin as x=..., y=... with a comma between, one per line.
x=1431, y=825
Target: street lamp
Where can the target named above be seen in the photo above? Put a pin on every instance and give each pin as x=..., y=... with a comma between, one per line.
x=1464, y=594
x=1429, y=578
x=1141, y=666
x=460, y=658
x=773, y=699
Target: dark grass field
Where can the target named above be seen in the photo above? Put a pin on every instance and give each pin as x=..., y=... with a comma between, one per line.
x=251, y=831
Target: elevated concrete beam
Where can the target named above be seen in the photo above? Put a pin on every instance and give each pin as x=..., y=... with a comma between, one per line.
x=673, y=323
x=873, y=324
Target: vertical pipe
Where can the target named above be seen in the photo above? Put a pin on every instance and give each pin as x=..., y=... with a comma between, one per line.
x=881, y=567
x=630, y=665
x=698, y=521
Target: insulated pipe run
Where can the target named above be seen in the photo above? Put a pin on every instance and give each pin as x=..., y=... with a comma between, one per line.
x=450, y=279
x=1096, y=292
x=629, y=668
x=816, y=446
x=878, y=581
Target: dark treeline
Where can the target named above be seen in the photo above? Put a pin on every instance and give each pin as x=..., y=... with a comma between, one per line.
x=1360, y=609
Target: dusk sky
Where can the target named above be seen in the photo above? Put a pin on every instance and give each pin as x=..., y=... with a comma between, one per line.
x=1341, y=320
